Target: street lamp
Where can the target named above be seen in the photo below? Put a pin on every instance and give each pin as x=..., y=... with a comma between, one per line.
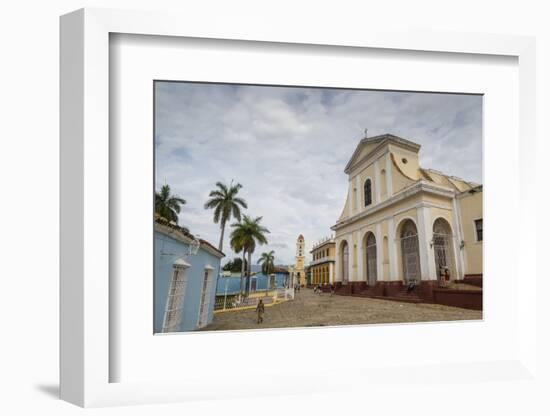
x=192, y=249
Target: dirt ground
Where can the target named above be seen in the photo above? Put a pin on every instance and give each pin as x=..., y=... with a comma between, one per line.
x=310, y=309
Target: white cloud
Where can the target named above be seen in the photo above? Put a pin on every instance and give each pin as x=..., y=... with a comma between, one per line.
x=288, y=148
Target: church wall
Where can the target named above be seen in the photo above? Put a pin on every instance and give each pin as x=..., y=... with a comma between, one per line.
x=443, y=201
x=411, y=167
x=446, y=214
x=356, y=185
x=399, y=181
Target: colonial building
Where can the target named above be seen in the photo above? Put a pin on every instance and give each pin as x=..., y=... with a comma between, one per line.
x=322, y=263
x=402, y=224
x=186, y=270
x=297, y=271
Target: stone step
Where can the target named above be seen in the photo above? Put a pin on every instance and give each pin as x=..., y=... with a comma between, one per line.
x=400, y=299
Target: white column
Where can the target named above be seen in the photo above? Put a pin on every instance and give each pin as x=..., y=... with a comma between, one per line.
x=338, y=262
x=392, y=248
x=379, y=252
x=377, y=186
x=389, y=180
x=360, y=257
x=457, y=239
x=350, y=198
x=331, y=272
x=357, y=193
x=425, y=234
x=350, y=257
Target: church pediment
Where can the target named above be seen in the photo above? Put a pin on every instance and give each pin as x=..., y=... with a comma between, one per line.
x=370, y=145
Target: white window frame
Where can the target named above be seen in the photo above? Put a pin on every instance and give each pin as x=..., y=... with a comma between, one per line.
x=179, y=275
x=205, y=296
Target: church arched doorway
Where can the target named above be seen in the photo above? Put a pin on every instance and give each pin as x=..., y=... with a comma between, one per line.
x=371, y=259
x=443, y=251
x=410, y=255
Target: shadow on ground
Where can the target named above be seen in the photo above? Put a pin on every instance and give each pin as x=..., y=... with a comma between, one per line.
x=51, y=390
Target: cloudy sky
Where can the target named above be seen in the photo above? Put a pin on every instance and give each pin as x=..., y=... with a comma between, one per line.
x=288, y=148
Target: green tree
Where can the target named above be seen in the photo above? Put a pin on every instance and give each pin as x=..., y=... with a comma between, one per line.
x=244, y=237
x=167, y=205
x=234, y=265
x=226, y=204
x=267, y=260
x=228, y=266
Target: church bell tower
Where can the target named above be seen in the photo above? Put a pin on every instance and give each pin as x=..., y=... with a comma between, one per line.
x=299, y=264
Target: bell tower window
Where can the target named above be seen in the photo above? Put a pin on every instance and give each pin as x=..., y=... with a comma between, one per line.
x=368, y=192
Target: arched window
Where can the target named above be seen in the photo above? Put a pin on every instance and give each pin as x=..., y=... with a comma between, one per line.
x=371, y=259
x=368, y=192
x=443, y=250
x=410, y=256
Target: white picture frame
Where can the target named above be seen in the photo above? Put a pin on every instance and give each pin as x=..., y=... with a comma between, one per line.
x=86, y=355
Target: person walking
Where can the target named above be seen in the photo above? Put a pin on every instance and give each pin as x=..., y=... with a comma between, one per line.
x=260, y=309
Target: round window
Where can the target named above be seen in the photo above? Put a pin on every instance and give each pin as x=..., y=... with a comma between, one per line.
x=404, y=160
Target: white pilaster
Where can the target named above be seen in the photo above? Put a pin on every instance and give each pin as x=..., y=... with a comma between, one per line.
x=392, y=248
x=350, y=258
x=458, y=237
x=379, y=252
x=331, y=272
x=338, y=263
x=377, y=186
x=350, y=198
x=360, y=257
x=425, y=234
x=389, y=180
x=357, y=194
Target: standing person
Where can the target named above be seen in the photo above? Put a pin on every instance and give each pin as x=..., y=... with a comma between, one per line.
x=331, y=289
x=260, y=309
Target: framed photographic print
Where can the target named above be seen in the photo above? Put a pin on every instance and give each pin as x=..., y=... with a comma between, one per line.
x=272, y=201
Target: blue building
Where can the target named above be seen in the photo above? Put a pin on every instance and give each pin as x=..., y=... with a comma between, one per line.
x=185, y=276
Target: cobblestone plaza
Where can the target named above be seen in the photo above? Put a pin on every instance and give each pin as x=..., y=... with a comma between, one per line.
x=311, y=309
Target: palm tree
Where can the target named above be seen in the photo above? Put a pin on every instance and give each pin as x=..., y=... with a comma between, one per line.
x=244, y=237
x=267, y=260
x=225, y=203
x=166, y=205
x=237, y=244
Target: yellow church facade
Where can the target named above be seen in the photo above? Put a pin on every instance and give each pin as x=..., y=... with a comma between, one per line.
x=405, y=226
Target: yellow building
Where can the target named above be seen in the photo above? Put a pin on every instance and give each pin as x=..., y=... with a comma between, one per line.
x=297, y=272
x=322, y=263
x=403, y=224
